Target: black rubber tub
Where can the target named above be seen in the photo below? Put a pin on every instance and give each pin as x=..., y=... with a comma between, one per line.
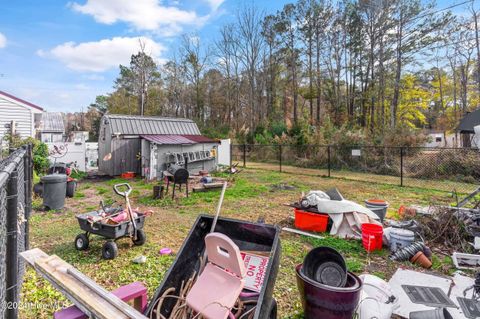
x=109, y=231
x=248, y=236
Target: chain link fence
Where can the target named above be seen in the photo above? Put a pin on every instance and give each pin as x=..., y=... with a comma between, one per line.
x=443, y=169
x=16, y=173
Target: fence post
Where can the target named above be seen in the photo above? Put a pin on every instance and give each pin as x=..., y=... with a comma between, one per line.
x=329, y=166
x=231, y=154
x=12, y=246
x=244, y=155
x=401, y=166
x=28, y=176
x=280, y=156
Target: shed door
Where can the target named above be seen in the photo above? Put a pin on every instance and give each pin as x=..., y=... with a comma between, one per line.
x=125, y=155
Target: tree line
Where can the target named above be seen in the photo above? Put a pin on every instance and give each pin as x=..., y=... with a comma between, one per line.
x=379, y=66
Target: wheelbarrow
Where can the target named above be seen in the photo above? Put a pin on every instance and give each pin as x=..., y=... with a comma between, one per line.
x=251, y=237
x=102, y=223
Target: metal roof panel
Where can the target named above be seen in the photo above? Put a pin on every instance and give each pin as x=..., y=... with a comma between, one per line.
x=140, y=125
x=167, y=139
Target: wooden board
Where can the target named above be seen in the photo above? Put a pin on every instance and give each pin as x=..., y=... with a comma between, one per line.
x=213, y=185
x=93, y=302
x=56, y=268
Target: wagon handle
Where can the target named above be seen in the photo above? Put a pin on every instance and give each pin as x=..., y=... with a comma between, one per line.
x=116, y=188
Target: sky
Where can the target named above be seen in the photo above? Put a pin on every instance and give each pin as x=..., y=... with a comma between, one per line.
x=61, y=54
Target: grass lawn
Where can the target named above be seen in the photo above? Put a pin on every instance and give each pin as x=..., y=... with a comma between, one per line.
x=441, y=185
x=250, y=197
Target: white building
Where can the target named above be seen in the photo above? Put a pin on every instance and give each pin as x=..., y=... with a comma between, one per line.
x=51, y=128
x=22, y=113
x=440, y=139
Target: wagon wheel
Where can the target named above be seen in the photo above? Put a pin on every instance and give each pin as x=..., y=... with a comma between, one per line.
x=141, y=238
x=81, y=242
x=109, y=250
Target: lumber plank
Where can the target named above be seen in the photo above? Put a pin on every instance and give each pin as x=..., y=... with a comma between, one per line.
x=30, y=256
x=114, y=300
x=87, y=295
x=57, y=270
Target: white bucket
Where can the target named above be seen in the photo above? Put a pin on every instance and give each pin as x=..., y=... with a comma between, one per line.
x=400, y=238
x=375, y=301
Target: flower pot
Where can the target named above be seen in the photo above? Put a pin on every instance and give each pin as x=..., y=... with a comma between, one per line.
x=420, y=259
x=322, y=301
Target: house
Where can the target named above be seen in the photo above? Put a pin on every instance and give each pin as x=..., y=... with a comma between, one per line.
x=20, y=112
x=438, y=138
x=51, y=128
x=148, y=145
x=469, y=135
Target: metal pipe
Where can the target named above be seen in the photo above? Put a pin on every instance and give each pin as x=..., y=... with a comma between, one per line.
x=401, y=166
x=108, y=296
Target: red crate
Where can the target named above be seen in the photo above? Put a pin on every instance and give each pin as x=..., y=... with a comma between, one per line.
x=310, y=221
x=128, y=175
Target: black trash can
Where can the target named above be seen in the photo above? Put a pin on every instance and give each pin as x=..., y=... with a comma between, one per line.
x=54, y=189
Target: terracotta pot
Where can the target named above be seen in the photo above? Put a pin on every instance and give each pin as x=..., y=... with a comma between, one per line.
x=407, y=212
x=422, y=260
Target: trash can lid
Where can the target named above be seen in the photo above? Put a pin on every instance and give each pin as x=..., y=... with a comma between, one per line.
x=54, y=178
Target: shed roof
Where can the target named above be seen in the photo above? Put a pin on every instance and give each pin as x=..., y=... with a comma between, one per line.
x=168, y=139
x=469, y=121
x=139, y=125
x=52, y=122
x=200, y=139
x=173, y=139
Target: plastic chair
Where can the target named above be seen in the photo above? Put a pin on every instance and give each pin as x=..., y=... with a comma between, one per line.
x=218, y=287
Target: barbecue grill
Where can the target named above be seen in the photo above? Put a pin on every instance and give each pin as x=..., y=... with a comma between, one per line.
x=177, y=175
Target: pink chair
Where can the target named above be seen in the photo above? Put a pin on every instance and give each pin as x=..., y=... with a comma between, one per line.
x=221, y=282
x=135, y=291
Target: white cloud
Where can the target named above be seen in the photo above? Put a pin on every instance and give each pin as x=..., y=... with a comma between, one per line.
x=3, y=41
x=101, y=55
x=142, y=14
x=215, y=4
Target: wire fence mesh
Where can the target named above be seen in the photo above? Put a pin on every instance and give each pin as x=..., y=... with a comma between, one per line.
x=442, y=169
x=15, y=204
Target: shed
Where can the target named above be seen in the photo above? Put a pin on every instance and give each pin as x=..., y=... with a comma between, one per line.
x=437, y=138
x=51, y=128
x=147, y=145
x=467, y=127
x=23, y=113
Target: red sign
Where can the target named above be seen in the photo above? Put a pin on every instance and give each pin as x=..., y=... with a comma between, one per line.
x=256, y=267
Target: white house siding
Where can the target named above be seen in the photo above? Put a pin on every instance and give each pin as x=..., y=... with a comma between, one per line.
x=23, y=116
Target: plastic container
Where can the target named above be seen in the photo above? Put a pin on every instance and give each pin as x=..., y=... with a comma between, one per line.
x=376, y=298
x=128, y=175
x=321, y=301
x=310, y=221
x=325, y=265
x=54, y=190
x=400, y=238
x=372, y=237
x=378, y=206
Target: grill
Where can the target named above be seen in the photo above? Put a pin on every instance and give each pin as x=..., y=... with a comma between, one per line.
x=177, y=175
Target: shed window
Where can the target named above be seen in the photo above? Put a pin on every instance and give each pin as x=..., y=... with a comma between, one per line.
x=438, y=139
